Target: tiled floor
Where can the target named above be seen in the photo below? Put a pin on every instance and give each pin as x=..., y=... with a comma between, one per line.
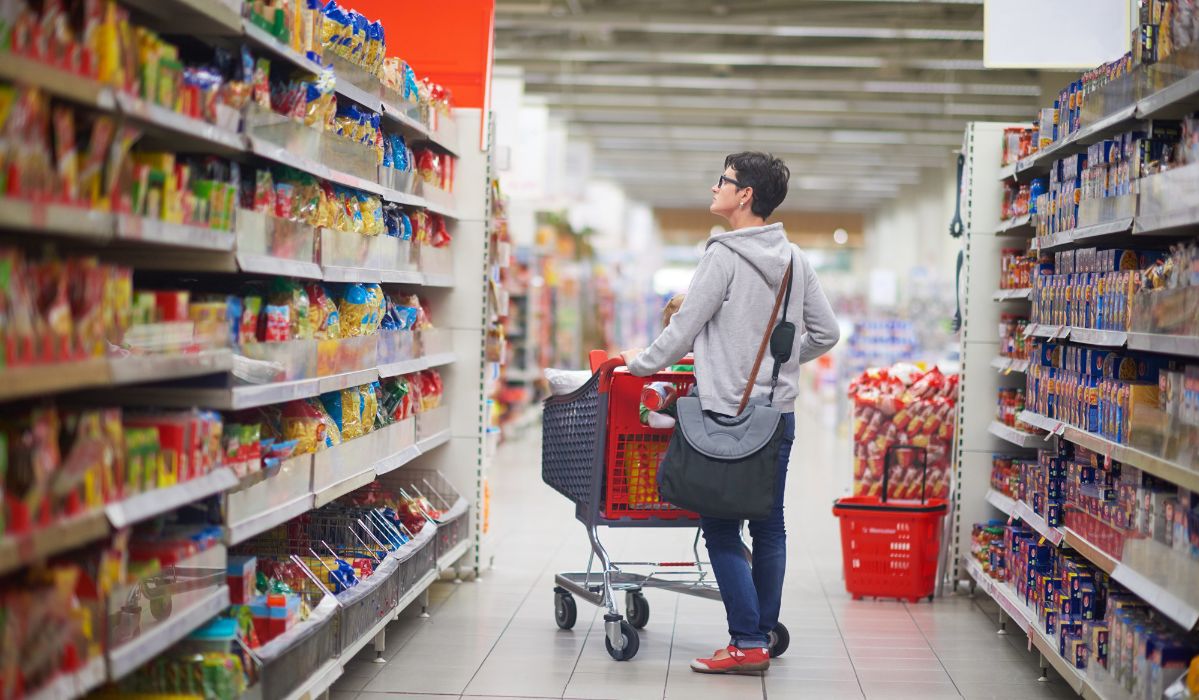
x=496, y=637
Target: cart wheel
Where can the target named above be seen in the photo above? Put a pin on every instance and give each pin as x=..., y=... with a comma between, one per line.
x=780, y=639
x=931, y=596
x=160, y=607
x=637, y=608
x=631, y=643
x=565, y=610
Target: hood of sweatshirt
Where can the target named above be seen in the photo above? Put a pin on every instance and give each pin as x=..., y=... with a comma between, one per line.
x=766, y=248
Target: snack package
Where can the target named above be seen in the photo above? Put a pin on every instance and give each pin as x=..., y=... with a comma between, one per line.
x=903, y=405
x=369, y=402
x=303, y=422
x=354, y=310
x=324, y=314
x=345, y=408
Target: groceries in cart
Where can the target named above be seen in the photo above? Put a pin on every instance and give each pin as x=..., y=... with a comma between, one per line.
x=903, y=405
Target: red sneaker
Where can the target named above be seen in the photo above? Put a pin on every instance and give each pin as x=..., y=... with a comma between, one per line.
x=735, y=660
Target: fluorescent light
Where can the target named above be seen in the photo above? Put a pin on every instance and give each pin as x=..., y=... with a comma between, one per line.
x=709, y=103
x=630, y=22
x=760, y=85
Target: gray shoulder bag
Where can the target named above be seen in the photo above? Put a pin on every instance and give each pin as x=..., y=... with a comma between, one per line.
x=727, y=467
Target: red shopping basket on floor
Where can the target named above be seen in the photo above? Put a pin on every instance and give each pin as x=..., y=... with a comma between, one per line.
x=890, y=549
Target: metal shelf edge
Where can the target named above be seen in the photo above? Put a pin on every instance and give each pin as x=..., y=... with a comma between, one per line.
x=129, y=656
x=447, y=560
x=241, y=531
x=152, y=503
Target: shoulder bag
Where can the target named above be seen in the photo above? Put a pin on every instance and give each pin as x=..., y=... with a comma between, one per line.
x=727, y=467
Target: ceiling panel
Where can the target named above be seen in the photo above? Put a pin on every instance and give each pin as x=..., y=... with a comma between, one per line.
x=860, y=97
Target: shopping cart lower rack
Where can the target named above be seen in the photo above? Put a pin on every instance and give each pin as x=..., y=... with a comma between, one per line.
x=596, y=452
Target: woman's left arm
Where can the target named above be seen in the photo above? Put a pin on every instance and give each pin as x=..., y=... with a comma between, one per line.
x=704, y=298
x=821, y=331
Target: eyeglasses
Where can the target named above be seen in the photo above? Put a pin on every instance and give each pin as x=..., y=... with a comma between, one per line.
x=725, y=178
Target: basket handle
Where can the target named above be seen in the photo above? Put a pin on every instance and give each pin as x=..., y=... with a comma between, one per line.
x=892, y=450
x=597, y=359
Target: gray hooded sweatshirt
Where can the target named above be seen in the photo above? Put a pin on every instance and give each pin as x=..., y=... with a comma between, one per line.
x=726, y=313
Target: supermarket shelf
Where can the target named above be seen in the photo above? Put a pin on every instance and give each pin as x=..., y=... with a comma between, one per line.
x=1092, y=336
x=18, y=550
x=1021, y=510
x=37, y=380
x=137, y=228
x=270, y=265
x=1088, y=235
x=446, y=561
x=73, y=685
x=396, y=369
x=155, y=502
x=347, y=485
x=55, y=81
x=154, y=368
x=1017, y=226
x=61, y=219
x=393, y=462
x=435, y=280
x=1174, y=472
x=126, y=658
x=319, y=682
x=1034, y=520
x=433, y=441
x=1151, y=570
x=1026, y=620
x=1078, y=141
x=184, y=131
x=247, y=396
x=1005, y=504
x=334, y=273
x=194, y=17
x=1007, y=172
x=261, y=39
x=1166, y=344
x=241, y=531
x=270, y=151
x=1009, y=294
x=403, y=277
x=1008, y=365
x=1019, y=438
x=1041, y=330
x=441, y=359
x=1172, y=101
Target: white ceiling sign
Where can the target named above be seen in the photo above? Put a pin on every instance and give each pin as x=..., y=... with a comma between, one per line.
x=1061, y=34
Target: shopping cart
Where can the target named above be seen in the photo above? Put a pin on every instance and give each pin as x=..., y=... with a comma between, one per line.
x=596, y=452
x=890, y=548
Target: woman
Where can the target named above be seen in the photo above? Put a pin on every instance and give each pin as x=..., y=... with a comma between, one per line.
x=723, y=319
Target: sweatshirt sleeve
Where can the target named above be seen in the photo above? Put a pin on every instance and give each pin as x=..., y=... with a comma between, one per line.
x=821, y=331
x=704, y=298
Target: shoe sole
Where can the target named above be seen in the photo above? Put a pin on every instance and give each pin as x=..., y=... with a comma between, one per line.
x=732, y=670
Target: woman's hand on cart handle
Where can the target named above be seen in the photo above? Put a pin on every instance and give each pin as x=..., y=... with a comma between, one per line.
x=629, y=355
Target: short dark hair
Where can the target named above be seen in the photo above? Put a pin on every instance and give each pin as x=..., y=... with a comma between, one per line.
x=766, y=174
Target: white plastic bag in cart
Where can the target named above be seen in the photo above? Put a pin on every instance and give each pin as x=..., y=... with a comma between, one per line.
x=565, y=381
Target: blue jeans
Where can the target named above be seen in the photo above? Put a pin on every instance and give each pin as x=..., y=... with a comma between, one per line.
x=752, y=595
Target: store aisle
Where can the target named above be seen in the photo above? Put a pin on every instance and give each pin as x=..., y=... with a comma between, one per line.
x=496, y=637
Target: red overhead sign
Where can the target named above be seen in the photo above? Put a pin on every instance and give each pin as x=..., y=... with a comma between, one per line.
x=448, y=41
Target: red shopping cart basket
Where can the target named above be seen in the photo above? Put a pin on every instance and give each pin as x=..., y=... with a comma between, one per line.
x=890, y=549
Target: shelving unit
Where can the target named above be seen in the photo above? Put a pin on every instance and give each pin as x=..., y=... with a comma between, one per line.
x=203, y=379
x=1161, y=209
x=1017, y=437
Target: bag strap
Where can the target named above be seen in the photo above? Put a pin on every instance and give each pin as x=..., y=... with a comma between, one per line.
x=774, y=376
x=774, y=315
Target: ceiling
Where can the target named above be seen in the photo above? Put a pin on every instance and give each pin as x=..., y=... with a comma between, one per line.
x=858, y=96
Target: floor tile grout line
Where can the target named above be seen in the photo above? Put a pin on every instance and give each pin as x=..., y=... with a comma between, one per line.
x=941, y=662
x=536, y=582
x=674, y=627
x=582, y=649
x=836, y=622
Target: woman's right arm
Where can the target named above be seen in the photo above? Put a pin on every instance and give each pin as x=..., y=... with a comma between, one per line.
x=704, y=298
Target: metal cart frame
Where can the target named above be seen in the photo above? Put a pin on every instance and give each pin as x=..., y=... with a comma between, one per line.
x=574, y=463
